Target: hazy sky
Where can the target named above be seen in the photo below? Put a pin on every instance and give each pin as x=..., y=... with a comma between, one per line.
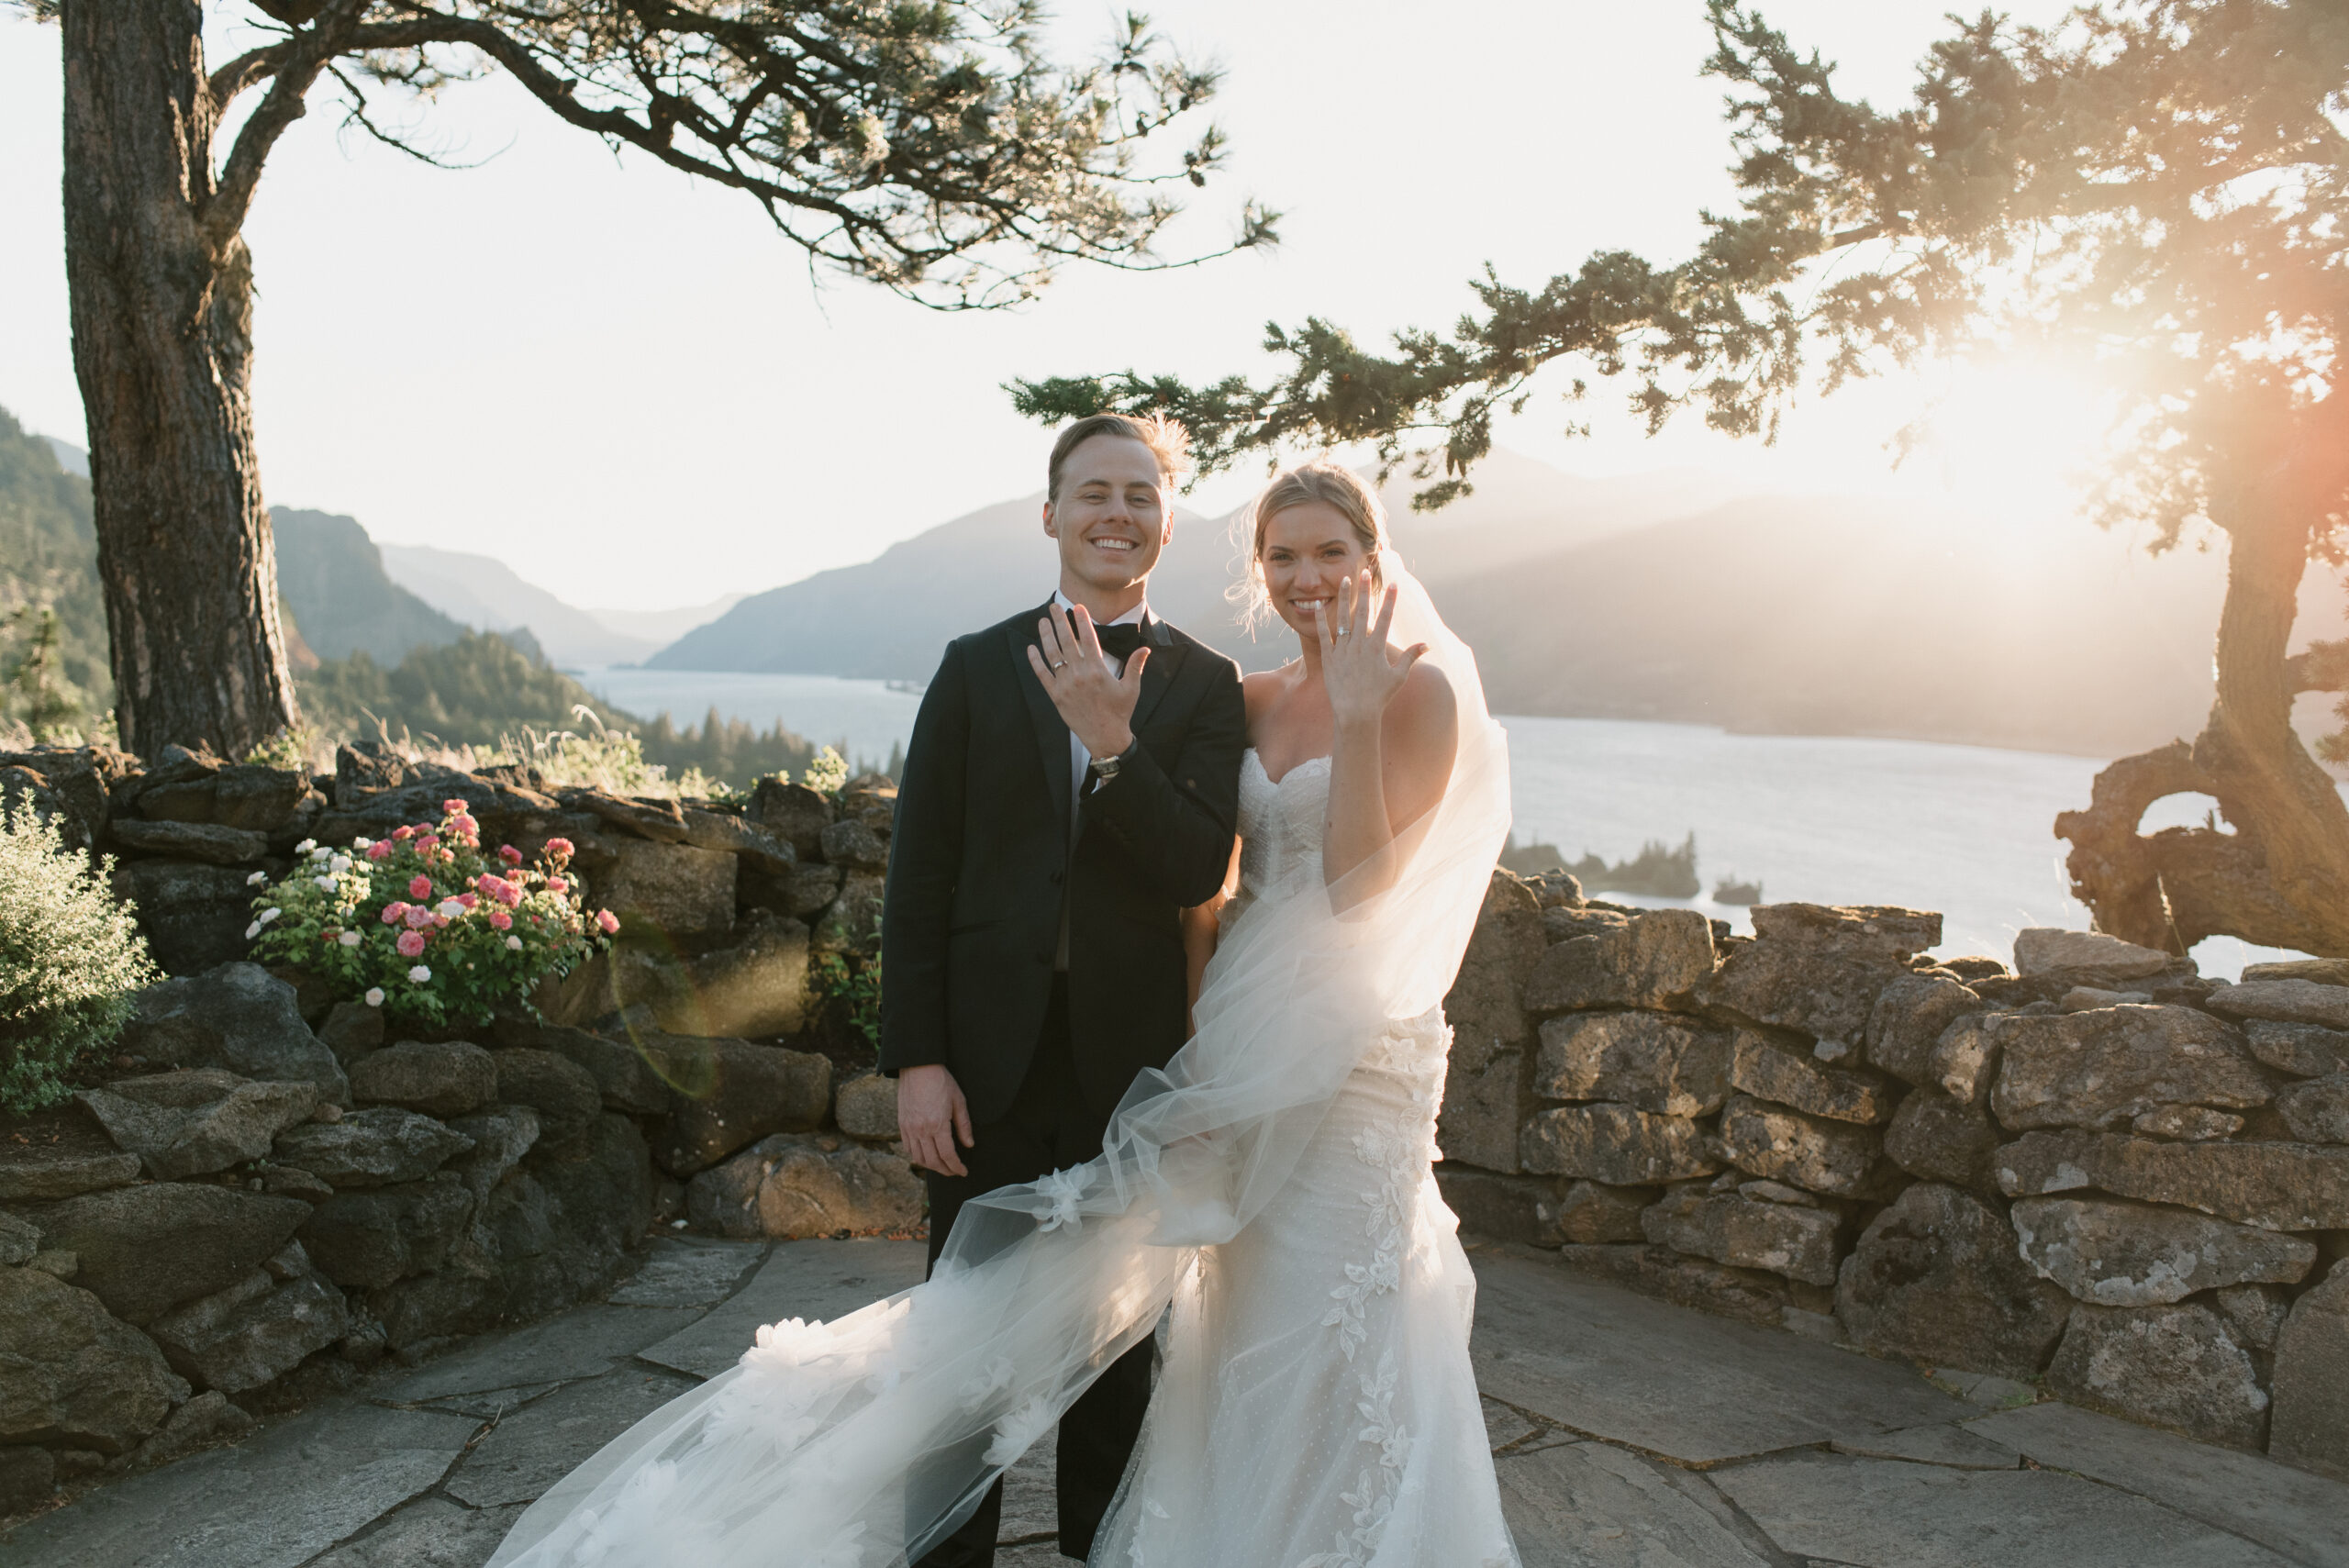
x=625, y=385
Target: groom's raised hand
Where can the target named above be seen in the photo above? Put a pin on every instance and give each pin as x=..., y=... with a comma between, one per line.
x=1094, y=700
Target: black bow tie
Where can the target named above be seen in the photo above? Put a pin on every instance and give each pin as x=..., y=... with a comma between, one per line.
x=1119, y=641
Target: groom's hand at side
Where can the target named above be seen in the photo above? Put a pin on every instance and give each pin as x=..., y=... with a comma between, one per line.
x=932, y=1116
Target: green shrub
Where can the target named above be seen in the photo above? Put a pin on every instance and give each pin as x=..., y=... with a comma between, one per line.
x=70, y=959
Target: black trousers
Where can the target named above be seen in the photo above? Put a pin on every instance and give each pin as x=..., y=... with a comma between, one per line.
x=1048, y=1128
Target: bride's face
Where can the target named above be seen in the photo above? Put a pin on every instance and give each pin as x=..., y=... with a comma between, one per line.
x=1308, y=549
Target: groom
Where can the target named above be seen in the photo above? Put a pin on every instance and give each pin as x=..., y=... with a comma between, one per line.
x=1072, y=786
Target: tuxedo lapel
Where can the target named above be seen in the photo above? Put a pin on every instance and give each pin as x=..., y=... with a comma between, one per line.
x=1051, y=731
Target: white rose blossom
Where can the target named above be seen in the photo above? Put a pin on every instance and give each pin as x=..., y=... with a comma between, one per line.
x=514, y=944
x=306, y=846
x=449, y=908
x=338, y=864
x=349, y=938
x=271, y=913
x=256, y=879
x=374, y=997
x=252, y=930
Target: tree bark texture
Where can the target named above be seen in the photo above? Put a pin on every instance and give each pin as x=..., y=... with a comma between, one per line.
x=2281, y=878
x=162, y=347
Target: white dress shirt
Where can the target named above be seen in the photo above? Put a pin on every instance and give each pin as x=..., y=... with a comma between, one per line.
x=1080, y=758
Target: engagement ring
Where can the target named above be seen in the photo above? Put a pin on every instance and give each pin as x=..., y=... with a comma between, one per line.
x=1062, y=665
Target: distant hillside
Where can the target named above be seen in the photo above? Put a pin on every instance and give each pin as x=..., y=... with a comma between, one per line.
x=890, y=618
x=49, y=560
x=486, y=593
x=331, y=576
x=1836, y=615
x=662, y=628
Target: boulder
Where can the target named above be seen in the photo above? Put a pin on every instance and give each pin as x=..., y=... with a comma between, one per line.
x=254, y=1332
x=1564, y=925
x=36, y=1175
x=1671, y=1066
x=2104, y=1068
x=792, y=812
x=641, y=815
x=2254, y=1313
x=867, y=1108
x=206, y=1421
x=1812, y=1152
x=850, y=843
x=2312, y=1379
x=204, y=841
x=256, y=798
x=564, y=1222
x=2323, y=970
x=757, y=987
x=1485, y=1100
x=1658, y=959
x=668, y=890
x=2088, y=957
x=237, y=1016
x=1964, y=1061
x=1697, y=1282
x=196, y=1120
x=728, y=1093
x=852, y=924
x=1939, y=1138
x=501, y=1136
x=2169, y=1366
x=2305, y=1051
x=1617, y=1145
x=72, y=1375
x=1523, y=1209
x=1910, y=1015
x=373, y=1148
x=2127, y=1254
x=144, y=1250
x=2190, y=1124
x=2283, y=1001
x=1592, y=1212
x=1819, y=970
x=194, y=914
x=808, y=891
x=759, y=849
x=2282, y=1186
x=28, y=1479
x=564, y=1095
x=438, y=1077
x=368, y=1239
x=793, y=1185
x=1729, y=1228
x=2318, y=1110
x=1767, y=1070
x=351, y=1030
x=1936, y=1276
x=625, y=1076
x=19, y=1241
x=869, y=798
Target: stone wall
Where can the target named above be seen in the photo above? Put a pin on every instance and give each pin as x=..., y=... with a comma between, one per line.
x=2094, y=1171
x=264, y=1191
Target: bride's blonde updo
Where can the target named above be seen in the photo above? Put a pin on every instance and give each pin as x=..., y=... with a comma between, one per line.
x=1332, y=484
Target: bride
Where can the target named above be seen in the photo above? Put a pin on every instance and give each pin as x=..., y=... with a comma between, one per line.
x=1264, y=1204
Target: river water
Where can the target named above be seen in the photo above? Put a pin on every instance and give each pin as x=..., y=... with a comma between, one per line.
x=1967, y=830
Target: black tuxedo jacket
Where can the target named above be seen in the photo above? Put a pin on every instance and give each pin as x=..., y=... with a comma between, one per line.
x=980, y=860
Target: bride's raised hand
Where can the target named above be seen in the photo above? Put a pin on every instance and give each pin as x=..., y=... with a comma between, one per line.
x=1360, y=669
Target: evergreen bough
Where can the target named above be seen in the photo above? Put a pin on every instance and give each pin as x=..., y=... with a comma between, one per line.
x=72, y=960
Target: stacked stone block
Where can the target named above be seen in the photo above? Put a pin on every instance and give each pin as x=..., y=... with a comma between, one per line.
x=2095, y=1171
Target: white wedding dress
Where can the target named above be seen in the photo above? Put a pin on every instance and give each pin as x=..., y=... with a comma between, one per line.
x=1266, y=1197
x=1315, y=1407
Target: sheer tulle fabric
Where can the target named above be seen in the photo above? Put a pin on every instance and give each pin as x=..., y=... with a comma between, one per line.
x=859, y=1443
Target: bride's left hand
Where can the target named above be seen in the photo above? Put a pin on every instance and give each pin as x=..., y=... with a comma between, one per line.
x=1360, y=669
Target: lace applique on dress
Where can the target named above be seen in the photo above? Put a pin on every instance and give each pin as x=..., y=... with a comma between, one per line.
x=1373, y=1496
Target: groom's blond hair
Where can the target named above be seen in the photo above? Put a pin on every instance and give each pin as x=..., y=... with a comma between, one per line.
x=1167, y=437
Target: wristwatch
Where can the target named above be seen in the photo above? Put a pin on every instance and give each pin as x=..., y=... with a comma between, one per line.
x=1105, y=768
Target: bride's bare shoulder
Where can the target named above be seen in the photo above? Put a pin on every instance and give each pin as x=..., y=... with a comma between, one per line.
x=1261, y=690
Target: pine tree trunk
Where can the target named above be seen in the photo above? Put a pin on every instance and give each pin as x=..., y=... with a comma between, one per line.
x=163, y=346
x=2279, y=874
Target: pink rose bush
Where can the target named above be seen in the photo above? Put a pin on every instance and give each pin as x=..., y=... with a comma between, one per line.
x=425, y=925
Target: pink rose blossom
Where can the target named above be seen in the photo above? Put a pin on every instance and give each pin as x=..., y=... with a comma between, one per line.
x=421, y=887
x=468, y=899
x=438, y=919
x=454, y=806
x=381, y=849
x=464, y=825
x=402, y=831
x=607, y=921
x=410, y=943
x=509, y=854
x=500, y=919
x=393, y=911
x=418, y=916
x=556, y=885
x=561, y=849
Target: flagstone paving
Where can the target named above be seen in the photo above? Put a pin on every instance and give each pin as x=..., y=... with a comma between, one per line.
x=1626, y=1434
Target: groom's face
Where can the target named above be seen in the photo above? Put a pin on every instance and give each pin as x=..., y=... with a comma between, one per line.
x=1112, y=516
